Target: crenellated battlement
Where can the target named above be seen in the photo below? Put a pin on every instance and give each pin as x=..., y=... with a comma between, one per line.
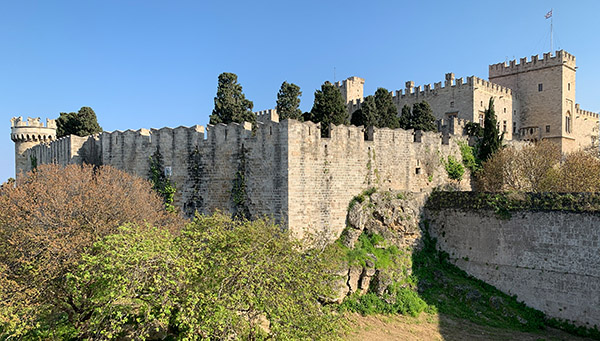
x=32, y=130
x=267, y=115
x=559, y=58
x=586, y=113
x=451, y=84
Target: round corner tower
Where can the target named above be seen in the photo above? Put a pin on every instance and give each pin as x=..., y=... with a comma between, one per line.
x=26, y=134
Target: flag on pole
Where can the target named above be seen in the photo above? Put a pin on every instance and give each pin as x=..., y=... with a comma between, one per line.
x=548, y=15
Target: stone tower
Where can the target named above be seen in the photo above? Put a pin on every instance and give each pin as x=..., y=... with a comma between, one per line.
x=26, y=134
x=546, y=90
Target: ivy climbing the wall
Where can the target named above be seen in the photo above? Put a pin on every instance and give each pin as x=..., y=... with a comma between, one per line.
x=161, y=183
x=239, y=195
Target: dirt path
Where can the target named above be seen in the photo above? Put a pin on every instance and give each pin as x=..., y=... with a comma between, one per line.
x=439, y=327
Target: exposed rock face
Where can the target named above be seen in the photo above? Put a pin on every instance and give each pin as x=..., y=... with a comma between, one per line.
x=393, y=215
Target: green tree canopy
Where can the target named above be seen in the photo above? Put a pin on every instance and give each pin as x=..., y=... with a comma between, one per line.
x=219, y=279
x=492, y=140
x=329, y=107
x=405, y=118
x=81, y=123
x=288, y=101
x=230, y=103
x=366, y=115
x=420, y=118
x=387, y=113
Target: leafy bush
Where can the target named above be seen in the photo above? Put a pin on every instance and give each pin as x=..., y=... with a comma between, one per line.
x=468, y=157
x=219, y=279
x=48, y=221
x=374, y=244
x=454, y=168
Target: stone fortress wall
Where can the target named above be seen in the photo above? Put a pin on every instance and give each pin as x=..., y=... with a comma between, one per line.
x=549, y=259
x=534, y=100
x=290, y=172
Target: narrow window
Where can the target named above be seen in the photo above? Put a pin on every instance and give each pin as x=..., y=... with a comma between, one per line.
x=452, y=104
x=568, y=122
x=504, y=126
x=540, y=87
x=481, y=103
x=547, y=129
x=505, y=110
x=568, y=86
x=514, y=127
x=481, y=120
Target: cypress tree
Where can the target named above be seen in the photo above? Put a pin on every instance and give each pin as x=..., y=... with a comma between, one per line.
x=231, y=104
x=387, y=113
x=329, y=108
x=288, y=101
x=492, y=140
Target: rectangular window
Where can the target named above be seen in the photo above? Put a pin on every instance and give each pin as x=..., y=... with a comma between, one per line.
x=514, y=127
x=569, y=86
x=547, y=129
x=481, y=120
x=505, y=110
x=504, y=126
x=540, y=87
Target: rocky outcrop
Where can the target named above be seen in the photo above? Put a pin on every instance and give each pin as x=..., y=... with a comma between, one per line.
x=395, y=216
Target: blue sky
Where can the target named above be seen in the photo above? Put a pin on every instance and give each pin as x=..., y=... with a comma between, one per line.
x=149, y=64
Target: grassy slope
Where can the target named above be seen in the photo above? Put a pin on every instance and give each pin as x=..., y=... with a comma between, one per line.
x=460, y=302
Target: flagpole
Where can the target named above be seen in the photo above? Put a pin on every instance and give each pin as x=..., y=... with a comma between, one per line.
x=551, y=32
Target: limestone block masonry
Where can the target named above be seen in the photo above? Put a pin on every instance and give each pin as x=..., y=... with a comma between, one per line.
x=288, y=171
x=534, y=100
x=550, y=260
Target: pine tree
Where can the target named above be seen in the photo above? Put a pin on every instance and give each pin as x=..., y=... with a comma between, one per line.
x=288, y=101
x=230, y=103
x=366, y=115
x=387, y=113
x=81, y=123
x=492, y=140
x=405, y=118
x=329, y=108
x=422, y=117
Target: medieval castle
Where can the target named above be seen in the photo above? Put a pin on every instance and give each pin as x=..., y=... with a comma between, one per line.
x=287, y=171
x=305, y=181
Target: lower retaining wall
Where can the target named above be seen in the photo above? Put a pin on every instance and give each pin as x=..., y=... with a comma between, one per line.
x=550, y=260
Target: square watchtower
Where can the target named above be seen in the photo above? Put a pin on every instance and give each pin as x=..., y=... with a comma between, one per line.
x=546, y=91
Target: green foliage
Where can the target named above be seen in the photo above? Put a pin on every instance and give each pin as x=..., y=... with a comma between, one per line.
x=231, y=104
x=387, y=113
x=329, y=108
x=81, y=123
x=454, y=292
x=473, y=129
x=361, y=197
x=377, y=111
x=468, y=157
x=454, y=168
x=372, y=244
x=34, y=162
x=161, y=183
x=404, y=301
x=288, y=101
x=420, y=118
x=505, y=203
x=492, y=139
x=366, y=115
x=218, y=279
x=238, y=191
